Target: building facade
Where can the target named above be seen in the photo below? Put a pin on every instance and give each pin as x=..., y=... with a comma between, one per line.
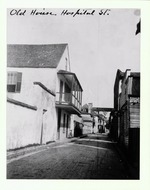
x=125, y=119
x=42, y=93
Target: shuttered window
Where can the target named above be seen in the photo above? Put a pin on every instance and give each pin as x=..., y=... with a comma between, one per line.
x=14, y=81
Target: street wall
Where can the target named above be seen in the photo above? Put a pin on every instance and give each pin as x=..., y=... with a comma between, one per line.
x=26, y=126
x=22, y=126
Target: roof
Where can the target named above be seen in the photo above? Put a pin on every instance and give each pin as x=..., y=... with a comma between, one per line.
x=34, y=56
x=85, y=106
x=68, y=73
x=135, y=74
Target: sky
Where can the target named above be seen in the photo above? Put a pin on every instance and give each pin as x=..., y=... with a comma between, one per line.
x=98, y=44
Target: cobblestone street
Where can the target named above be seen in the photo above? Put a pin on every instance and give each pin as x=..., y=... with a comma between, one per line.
x=91, y=157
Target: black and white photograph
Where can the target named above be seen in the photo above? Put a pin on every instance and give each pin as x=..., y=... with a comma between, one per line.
x=73, y=93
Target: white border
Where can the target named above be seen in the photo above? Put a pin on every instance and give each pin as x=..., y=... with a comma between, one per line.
x=144, y=182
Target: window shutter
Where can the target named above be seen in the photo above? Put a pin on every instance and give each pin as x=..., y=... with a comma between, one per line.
x=19, y=79
x=14, y=81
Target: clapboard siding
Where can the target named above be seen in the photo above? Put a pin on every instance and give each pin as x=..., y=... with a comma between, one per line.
x=134, y=113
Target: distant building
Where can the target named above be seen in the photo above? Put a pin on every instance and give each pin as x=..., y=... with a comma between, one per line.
x=42, y=94
x=93, y=122
x=87, y=118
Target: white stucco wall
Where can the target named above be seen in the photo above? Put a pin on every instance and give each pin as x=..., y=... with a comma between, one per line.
x=22, y=126
x=49, y=118
x=63, y=131
x=62, y=66
x=28, y=92
x=95, y=129
x=87, y=128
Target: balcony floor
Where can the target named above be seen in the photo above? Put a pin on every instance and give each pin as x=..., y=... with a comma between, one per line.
x=68, y=107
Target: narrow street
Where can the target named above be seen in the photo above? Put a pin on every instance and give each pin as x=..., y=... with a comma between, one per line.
x=91, y=157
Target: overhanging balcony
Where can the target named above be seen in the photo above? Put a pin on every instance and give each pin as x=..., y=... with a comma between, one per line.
x=69, y=96
x=68, y=102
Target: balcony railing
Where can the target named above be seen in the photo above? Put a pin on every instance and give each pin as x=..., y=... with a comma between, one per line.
x=68, y=99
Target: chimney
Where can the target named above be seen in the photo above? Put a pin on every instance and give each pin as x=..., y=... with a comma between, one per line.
x=90, y=105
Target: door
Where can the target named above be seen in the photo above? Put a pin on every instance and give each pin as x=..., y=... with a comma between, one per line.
x=58, y=123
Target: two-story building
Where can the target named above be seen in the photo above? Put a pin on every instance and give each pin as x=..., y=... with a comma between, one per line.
x=42, y=94
x=125, y=119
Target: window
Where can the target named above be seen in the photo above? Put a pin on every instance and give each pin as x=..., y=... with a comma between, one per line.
x=14, y=81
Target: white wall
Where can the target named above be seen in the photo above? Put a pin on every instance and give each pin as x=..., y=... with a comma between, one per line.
x=49, y=118
x=24, y=125
x=63, y=133
x=95, y=130
x=62, y=66
x=28, y=92
x=87, y=128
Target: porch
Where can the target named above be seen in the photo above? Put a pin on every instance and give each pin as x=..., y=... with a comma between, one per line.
x=69, y=96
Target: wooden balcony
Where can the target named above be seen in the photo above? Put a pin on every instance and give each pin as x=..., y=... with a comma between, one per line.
x=69, y=96
x=69, y=102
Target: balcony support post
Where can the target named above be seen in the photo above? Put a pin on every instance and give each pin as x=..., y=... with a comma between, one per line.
x=72, y=89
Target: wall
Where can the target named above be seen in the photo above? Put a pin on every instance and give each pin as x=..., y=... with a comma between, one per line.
x=28, y=92
x=62, y=66
x=49, y=118
x=126, y=89
x=88, y=123
x=75, y=119
x=123, y=95
x=130, y=119
x=25, y=126
x=95, y=130
x=63, y=131
x=22, y=126
x=87, y=128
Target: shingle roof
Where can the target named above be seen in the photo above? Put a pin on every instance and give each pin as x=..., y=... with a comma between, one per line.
x=34, y=56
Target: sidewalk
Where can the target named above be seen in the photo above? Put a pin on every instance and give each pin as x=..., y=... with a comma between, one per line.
x=133, y=170
x=33, y=149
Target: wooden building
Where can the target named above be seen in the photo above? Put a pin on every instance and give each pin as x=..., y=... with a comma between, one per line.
x=125, y=119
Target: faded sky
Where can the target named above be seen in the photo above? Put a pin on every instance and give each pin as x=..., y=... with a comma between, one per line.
x=98, y=45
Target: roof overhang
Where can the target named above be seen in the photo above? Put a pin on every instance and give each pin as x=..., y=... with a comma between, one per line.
x=69, y=75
